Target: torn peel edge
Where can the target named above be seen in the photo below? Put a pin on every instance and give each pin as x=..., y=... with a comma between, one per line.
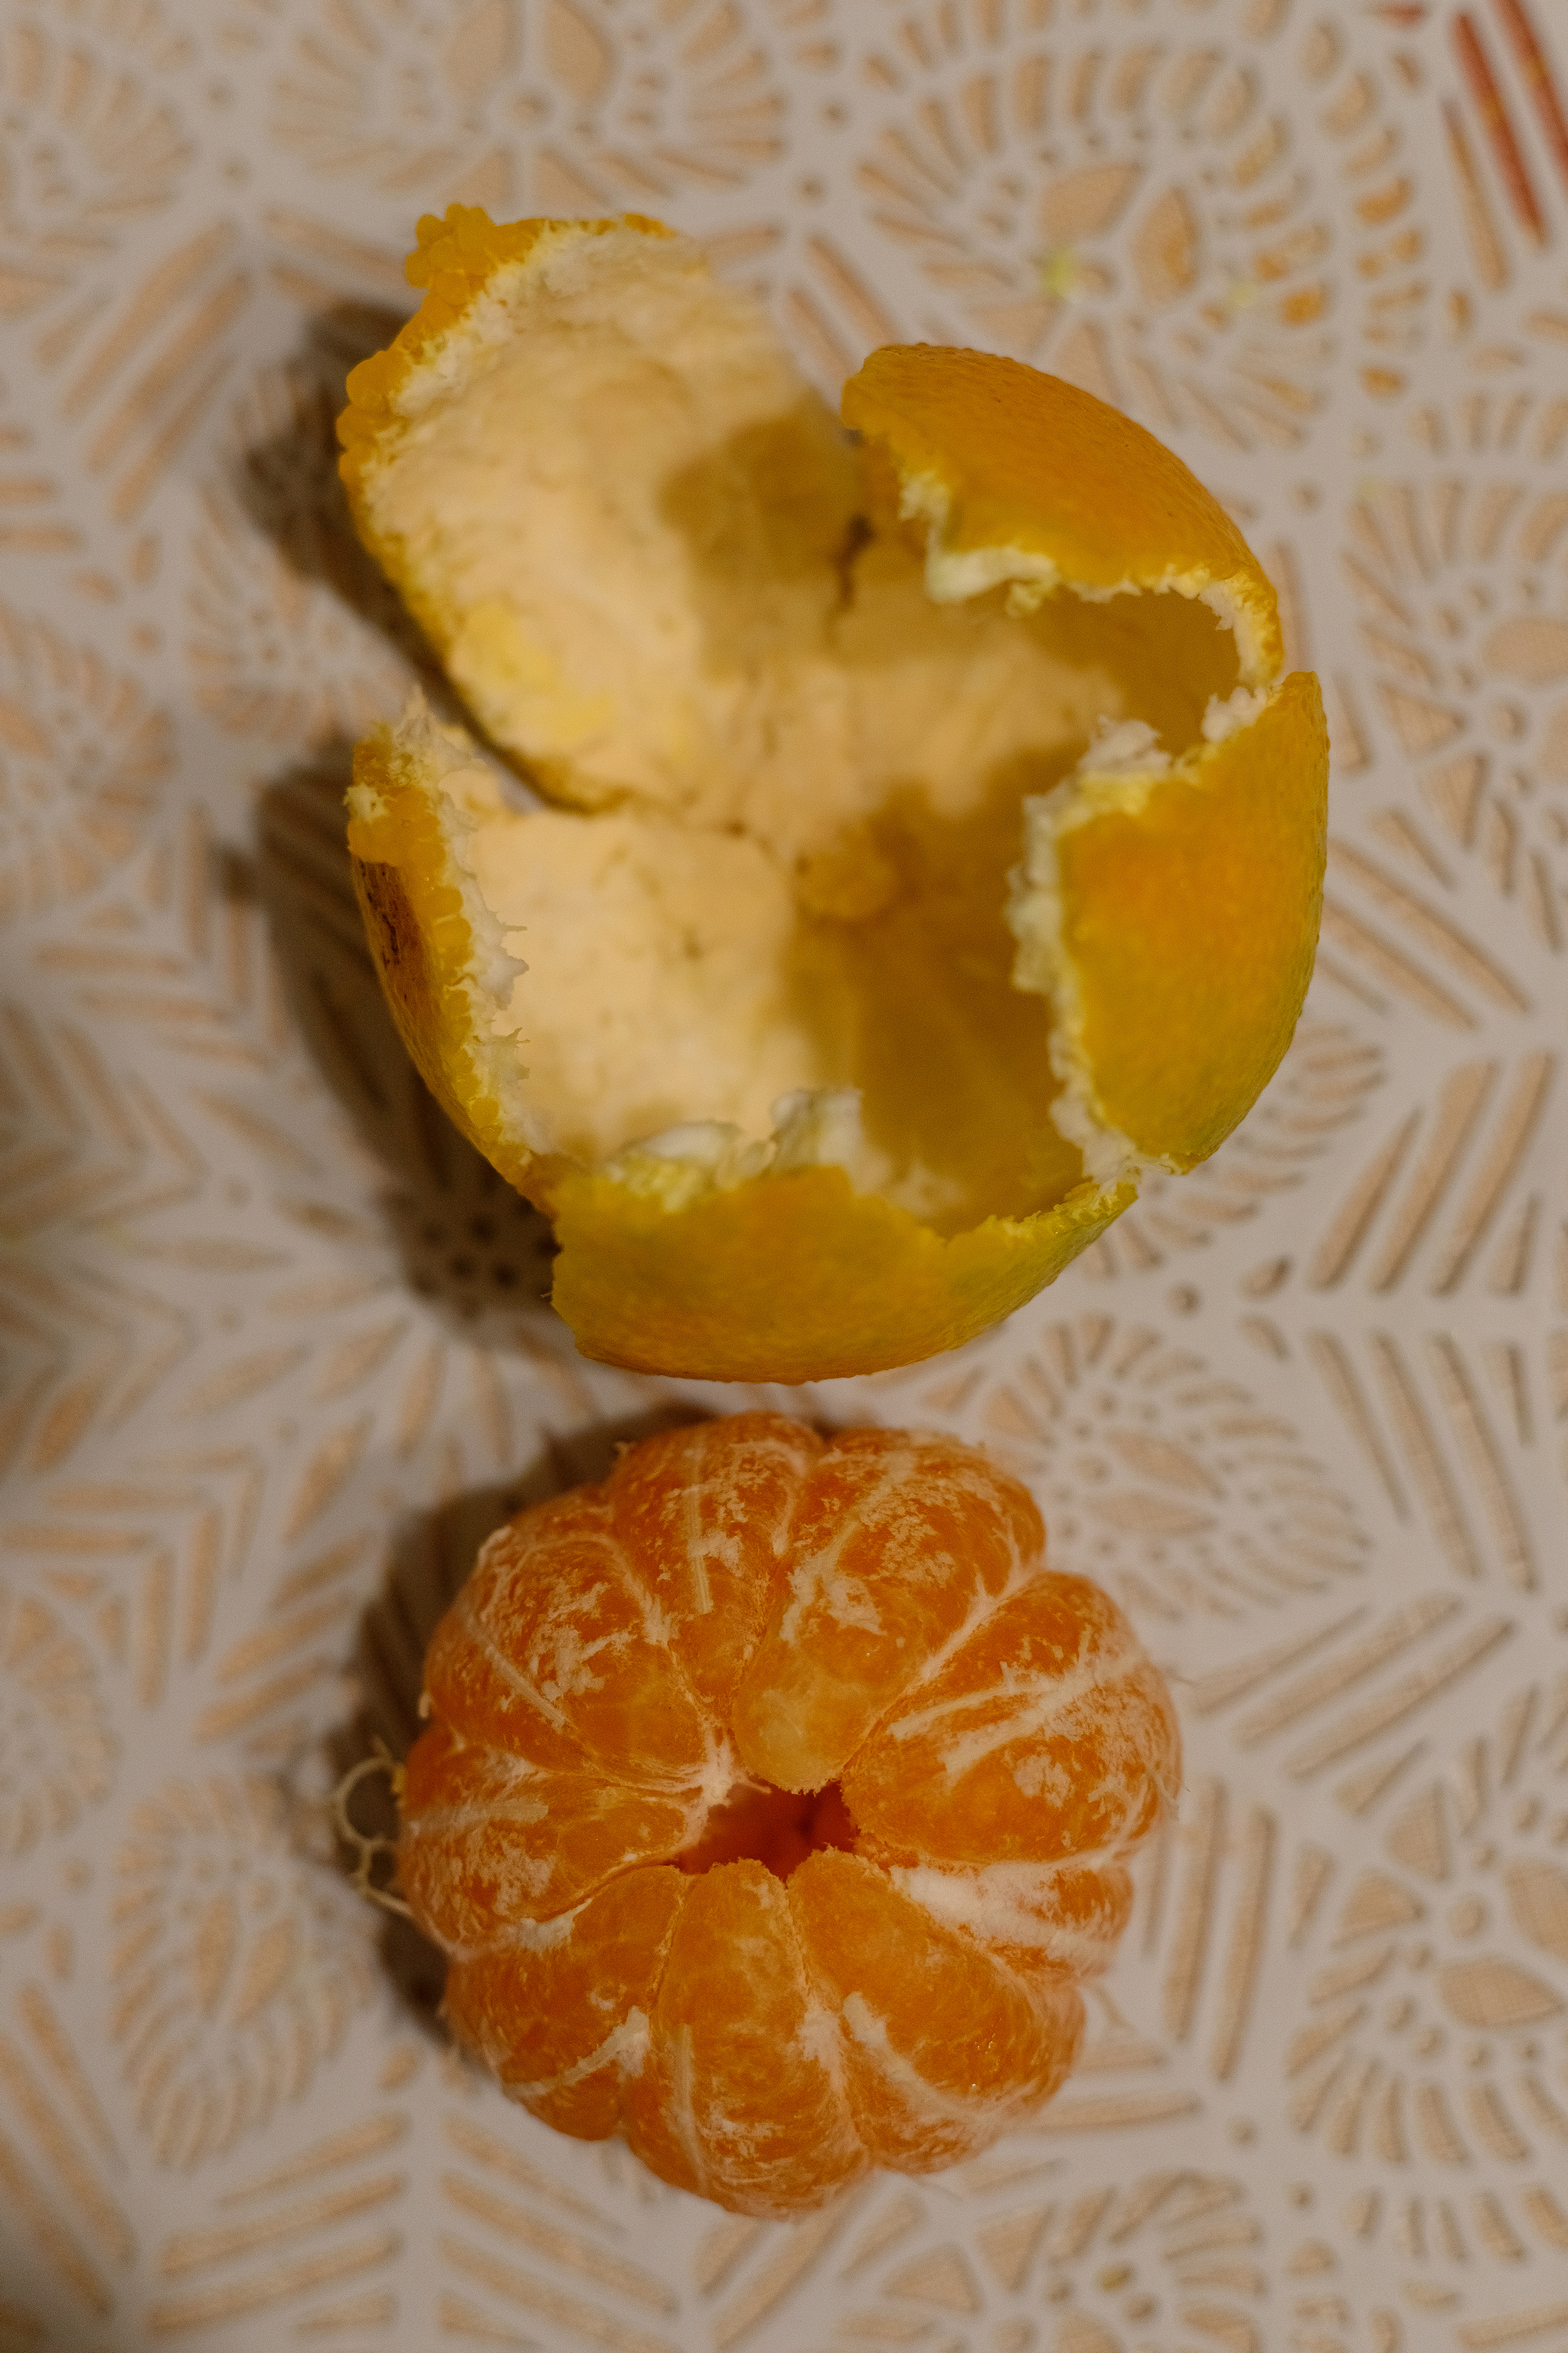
x=1134, y=764
x=1119, y=773
x=694, y=1252
x=455, y=261
x=702, y=1252
x=420, y=924
x=796, y=1277
x=419, y=788
x=955, y=574
x=1122, y=775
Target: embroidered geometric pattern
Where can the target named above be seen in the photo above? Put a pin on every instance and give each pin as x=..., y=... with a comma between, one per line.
x=275, y=1354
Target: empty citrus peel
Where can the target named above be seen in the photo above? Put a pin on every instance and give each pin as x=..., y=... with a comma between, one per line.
x=930, y=845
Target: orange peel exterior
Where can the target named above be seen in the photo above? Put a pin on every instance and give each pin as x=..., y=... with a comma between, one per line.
x=453, y=261
x=1026, y=461
x=422, y=946
x=1231, y=989
x=1187, y=905
x=947, y=1751
x=811, y=1278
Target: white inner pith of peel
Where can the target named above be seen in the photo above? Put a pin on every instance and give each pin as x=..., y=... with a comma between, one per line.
x=782, y=724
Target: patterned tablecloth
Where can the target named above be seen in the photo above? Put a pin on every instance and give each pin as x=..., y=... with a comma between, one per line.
x=273, y=1350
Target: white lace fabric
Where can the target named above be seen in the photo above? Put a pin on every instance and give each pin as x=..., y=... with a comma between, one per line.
x=274, y=1348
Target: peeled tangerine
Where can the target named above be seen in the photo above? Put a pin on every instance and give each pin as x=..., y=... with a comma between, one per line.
x=921, y=840
x=773, y=1804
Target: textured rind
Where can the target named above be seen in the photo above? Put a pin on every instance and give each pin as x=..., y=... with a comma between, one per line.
x=455, y=260
x=411, y=899
x=761, y=2040
x=423, y=1014
x=422, y=946
x=796, y=1278
x=780, y=1279
x=788, y=1278
x=1027, y=461
x=1240, y=829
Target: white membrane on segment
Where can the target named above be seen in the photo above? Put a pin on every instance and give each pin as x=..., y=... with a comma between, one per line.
x=626, y=2048
x=1007, y=1904
x=1034, y=1704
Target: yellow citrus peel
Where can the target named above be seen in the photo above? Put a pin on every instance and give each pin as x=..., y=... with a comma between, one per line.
x=911, y=841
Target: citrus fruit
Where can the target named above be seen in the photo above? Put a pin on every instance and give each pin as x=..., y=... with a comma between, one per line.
x=773, y=1804
x=912, y=840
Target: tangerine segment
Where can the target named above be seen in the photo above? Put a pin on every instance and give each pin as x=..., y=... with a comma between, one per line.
x=471, y=1685
x=1032, y=1915
x=943, y=2047
x=561, y=2015
x=709, y=1513
x=739, y=2099
x=474, y=1855
x=1238, y=829
x=562, y=1614
x=900, y=1541
x=1046, y=1733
